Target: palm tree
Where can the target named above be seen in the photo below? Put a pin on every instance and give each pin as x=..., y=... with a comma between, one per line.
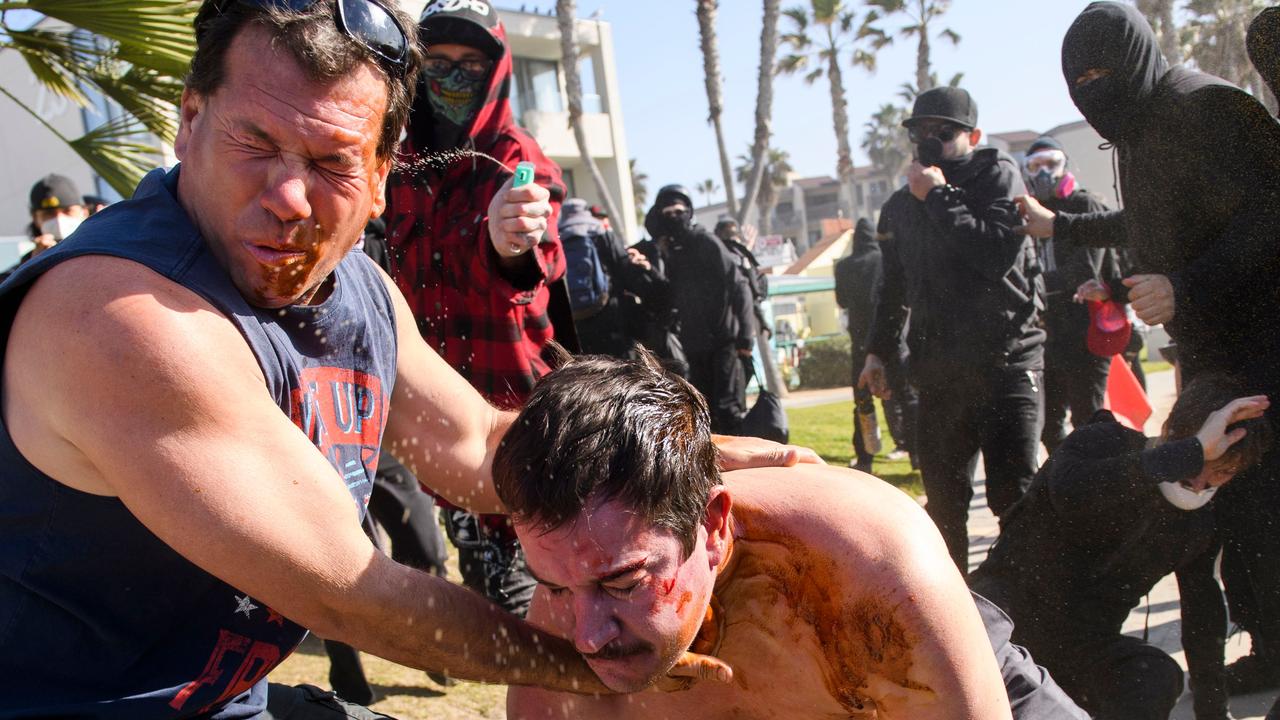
x=707, y=188
x=885, y=140
x=777, y=170
x=706, y=13
x=818, y=39
x=639, y=189
x=566, y=18
x=920, y=14
x=1160, y=14
x=764, y=106
x=132, y=52
x=1214, y=39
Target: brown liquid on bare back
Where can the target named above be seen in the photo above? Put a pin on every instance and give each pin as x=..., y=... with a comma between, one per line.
x=857, y=636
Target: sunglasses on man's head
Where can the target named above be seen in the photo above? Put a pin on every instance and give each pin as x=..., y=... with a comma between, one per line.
x=945, y=133
x=368, y=22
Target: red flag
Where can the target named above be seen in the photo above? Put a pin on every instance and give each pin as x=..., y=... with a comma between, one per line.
x=1125, y=397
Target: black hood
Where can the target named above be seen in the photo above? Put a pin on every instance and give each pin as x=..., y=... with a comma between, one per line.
x=1263, y=43
x=1115, y=37
x=864, y=239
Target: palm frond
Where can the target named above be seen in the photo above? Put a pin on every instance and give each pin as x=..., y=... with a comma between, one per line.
x=791, y=64
x=118, y=152
x=58, y=60
x=951, y=35
x=149, y=96
x=799, y=17
x=159, y=31
x=813, y=75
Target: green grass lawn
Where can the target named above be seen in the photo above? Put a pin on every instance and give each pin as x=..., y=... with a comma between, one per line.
x=828, y=429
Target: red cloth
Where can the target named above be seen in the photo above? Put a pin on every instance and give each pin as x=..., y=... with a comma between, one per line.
x=490, y=330
x=1125, y=397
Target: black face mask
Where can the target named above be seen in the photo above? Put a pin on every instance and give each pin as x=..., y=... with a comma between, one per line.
x=929, y=151
x=1116, y=38
x=660, y=225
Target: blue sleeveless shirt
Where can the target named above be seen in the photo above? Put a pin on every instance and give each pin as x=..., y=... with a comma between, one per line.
x=98, y=617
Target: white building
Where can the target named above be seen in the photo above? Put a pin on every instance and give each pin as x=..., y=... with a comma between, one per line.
x=31, y=151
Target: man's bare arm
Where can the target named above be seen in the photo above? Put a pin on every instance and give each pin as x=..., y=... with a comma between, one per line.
x=132, y=386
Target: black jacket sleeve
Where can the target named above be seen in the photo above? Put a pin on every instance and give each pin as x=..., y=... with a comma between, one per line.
x=890, y=316
x=1098, y=470
x=1104, y=228
x=978, y=219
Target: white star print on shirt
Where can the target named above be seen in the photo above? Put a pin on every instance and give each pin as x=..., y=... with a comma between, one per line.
x=245, y=605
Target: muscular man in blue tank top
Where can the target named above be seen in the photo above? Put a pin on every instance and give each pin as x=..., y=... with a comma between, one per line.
x=167, y=526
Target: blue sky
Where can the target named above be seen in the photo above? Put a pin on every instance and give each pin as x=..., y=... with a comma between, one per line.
x=1008, y=52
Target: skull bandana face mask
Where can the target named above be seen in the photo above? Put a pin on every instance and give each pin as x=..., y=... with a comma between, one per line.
x=454, y=97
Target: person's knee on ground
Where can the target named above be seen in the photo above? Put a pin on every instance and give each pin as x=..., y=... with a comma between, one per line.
x=1144, y=685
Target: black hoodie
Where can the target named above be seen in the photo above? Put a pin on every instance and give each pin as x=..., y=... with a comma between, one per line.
x=1199, y=169
x=970, y=282
x=857, y=282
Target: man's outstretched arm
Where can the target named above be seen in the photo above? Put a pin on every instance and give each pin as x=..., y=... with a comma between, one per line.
x=132, y=386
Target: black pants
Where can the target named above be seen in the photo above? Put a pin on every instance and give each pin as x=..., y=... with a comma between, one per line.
x=408, y=516
x=1247, y=511
x=1076, y=380
x=1033, y=694
x=717, y=374
x=307, y=702
x=1114, y=677
x=995, y=410
x=899, y=410
x=491, y=559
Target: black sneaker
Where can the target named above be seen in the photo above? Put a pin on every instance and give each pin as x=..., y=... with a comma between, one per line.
x=1252, y=673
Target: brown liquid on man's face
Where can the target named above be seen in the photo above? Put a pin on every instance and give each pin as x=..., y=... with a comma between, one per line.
x=857, y=636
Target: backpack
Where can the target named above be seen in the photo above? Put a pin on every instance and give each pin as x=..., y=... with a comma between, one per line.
x=588, y=284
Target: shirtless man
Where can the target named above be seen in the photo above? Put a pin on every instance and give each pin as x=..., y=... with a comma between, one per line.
x=835, y=598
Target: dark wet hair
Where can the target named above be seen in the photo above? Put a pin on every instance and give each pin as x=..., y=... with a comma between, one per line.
x=1206, y=395
x=599, y=429
x=314, y=40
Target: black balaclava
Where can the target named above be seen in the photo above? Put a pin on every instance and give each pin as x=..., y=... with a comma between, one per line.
x=659, y=225
x=1115, y=37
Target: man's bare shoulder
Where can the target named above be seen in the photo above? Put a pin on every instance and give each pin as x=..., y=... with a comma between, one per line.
x=825, y=503
x=113, y=300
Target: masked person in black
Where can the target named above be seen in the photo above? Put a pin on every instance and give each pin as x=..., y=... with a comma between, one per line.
x=1201, y=183
x=1075, y=378
x=953, y=260
x=857, y=282
x=711, y=299
x=1107, y=517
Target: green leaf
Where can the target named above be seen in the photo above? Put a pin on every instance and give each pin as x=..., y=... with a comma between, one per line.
x=118, y=152
x=159, y=30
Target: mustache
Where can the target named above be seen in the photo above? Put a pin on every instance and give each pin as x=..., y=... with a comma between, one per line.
x=617, y=651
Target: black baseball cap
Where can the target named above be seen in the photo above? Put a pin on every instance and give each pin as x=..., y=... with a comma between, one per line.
x=461, y=22
x=945, y=103
x=54, y=191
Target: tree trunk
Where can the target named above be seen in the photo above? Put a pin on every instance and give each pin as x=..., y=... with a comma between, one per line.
x=840, y=118
x=566, y=12
x=711, y=67
x=764, y=111
x=923, y=79
x=768, y=200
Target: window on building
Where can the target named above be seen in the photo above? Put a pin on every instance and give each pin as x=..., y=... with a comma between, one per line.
x=535, y=86
x=591, y=102
x=570, y=186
